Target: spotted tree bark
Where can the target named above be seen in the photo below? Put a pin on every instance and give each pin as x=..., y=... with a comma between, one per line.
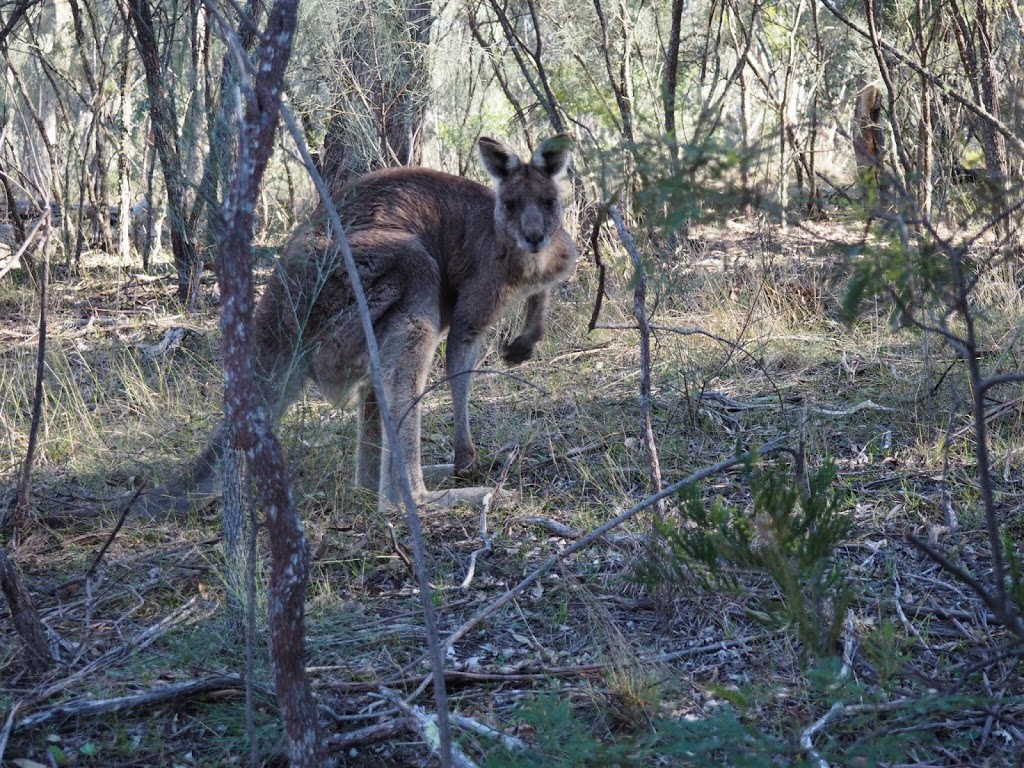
x=249, y=424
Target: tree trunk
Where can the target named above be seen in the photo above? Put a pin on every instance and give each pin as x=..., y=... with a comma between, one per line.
x=165, y=139
x=247, y=418
x=25, y=616
x=393, y=96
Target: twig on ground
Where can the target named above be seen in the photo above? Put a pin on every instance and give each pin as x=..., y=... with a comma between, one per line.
x=572, y=453
x=839, y=711
x=898, y=603
x=170, y=341
x=461, y=676
x=136, y=643
x=485, y=507
x=721, y=645
x=5, y=734
x=553, y=527
x=736, y=405
x=426, y=726
x=563, y=531
x=994, y=604
x=110, y=539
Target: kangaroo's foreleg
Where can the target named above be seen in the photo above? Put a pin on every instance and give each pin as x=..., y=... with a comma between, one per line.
x=369, y=441
x=460, y=360
x=534, y=322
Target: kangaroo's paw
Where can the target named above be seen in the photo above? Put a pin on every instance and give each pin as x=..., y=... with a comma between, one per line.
x=475, y=497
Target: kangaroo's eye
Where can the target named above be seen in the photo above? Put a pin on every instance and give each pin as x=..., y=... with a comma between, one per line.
x=510, y=206
x=550, y=204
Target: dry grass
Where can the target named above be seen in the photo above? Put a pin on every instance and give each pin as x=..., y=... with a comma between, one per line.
x=589, y=630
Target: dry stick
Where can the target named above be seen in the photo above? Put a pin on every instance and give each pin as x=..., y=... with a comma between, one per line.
x=597, y=533
x=415, y=529
x=5, y=734
x=840, y=710
x=20, y=512
x=110, y=539
x=134, y=644
x=371, y=734
x=511, y=743
x=640, y=312
x=425, y=726
x=150, y=698
x=460, y=676
x=394, y=727
x=849, y=651
x=485, y=507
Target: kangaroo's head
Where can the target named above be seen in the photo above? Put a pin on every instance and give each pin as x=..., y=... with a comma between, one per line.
x=528, y=204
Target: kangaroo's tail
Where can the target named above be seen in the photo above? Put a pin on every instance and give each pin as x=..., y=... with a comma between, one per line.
x=196, y=485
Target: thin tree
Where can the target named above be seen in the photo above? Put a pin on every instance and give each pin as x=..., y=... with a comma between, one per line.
x=251, y=430
x=163, y=116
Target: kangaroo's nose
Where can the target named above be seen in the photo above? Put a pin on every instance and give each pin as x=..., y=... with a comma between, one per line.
x=534, y=240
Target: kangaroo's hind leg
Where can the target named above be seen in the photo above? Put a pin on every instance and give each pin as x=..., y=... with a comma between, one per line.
x=407, y=349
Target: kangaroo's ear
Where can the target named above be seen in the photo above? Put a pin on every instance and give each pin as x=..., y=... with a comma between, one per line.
x=553, y=156
x=498, y=159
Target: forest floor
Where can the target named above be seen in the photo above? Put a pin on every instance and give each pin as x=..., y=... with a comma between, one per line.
x=602, y=653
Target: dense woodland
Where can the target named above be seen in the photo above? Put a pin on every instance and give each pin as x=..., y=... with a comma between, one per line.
x=761, y=488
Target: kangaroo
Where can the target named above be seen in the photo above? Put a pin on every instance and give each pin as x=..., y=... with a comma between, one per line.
x=435, y=253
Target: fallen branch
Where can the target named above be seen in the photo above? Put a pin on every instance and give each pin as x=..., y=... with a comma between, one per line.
x=840, y=711
x=461, y=676
x=5, y=734
x=392, y=729
x=699, y=650
x=151, y=698
x=170, y=341
x=511, y=743
x=132, y=645
x=737, y=405
x=371, y=734
x=426, y=726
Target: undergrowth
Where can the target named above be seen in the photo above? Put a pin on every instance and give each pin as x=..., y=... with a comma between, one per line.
x=812, y=598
